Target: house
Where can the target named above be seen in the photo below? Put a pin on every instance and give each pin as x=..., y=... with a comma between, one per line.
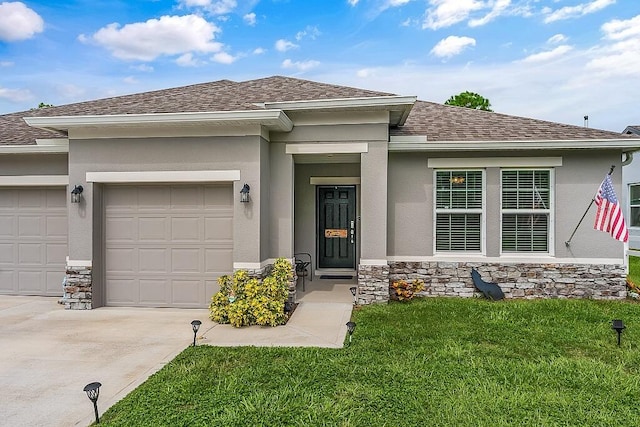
x=631, y=184
x=137, y=200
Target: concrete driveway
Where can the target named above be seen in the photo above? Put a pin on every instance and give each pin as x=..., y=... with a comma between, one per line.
x=48, y=354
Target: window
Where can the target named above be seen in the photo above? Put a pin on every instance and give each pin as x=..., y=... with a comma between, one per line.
x=634, y=205
x=458, y=210
x=526, y=210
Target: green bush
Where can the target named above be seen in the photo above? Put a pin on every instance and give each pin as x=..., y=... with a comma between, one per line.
x=243, y=301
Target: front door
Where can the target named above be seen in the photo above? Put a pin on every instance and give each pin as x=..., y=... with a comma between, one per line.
x=336, y=227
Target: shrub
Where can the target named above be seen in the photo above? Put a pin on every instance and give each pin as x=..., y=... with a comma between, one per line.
x=243, y=300
x=401, y=290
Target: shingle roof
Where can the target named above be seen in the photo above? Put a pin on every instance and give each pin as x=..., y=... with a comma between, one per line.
x=439, y=122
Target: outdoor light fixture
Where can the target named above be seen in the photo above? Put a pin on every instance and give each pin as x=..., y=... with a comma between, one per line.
x=351, y=326
x=93, y=391
x=353, y=290
x=244, y=193
x=456, y=180
x=76, y=194
x=195, y=325
x=618, y=326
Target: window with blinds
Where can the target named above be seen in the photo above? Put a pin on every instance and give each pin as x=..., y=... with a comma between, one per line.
x=458, y=210
x=526, y=209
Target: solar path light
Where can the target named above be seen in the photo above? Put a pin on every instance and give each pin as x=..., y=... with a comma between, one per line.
x=195, y=325
x=93, y=391
x=351, y=326
x=618, y=326
x=353, y=290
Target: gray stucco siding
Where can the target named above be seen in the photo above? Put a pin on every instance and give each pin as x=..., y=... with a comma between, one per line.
x=631, y=176
x=34, y=164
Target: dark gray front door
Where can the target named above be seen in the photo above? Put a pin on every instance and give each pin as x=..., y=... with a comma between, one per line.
x=336, y=226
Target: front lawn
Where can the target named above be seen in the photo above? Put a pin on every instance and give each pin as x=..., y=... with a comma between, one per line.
x=433, y=362
x=634, y=270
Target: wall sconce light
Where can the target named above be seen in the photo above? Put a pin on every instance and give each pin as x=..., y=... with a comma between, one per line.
x=195, y=325
x=76, y=194
x=244, y=193
x=351, y=326
x=93, y=391
x=618, y=326
x=456, y=180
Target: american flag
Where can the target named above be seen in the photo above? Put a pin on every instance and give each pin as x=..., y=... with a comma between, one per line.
x=609, y=215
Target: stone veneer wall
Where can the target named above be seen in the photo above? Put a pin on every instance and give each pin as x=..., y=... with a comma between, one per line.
x=543, y=280
x=77, y=288
x=373, y=284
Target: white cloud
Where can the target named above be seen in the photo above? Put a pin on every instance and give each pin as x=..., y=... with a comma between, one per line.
x=283, y=45
x=15, y=95
x=187, y=60
x=445, y=13
x=219, y=7
x=130, y=80
x=250, y=19
x=366, y=73
x=620, y=30
x=621, y=58
x=499, y=8
x=576, y=11
x=548, y=55
x=451, y=46
x=224, y=58
x=310, y=31
x=6, y=64
x=300, y=65
x=395, y=3
x=259, y=51
x=169, y=35
x=145, y=68
x=18, y=22
x=558, y=38
x=353, y=2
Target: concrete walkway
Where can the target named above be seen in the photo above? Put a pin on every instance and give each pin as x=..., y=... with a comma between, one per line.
x=48, y=354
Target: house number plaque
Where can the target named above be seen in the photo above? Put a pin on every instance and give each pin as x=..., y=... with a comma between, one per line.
x=335, y=233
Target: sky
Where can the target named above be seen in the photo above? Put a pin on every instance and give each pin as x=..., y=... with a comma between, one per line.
x=557, y=60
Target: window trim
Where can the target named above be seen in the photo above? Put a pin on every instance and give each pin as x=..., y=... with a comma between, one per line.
x=551, y=211
x=629, y=214
x=482, y=211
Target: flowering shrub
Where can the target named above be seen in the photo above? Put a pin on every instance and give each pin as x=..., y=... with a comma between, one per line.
x=401, y=290
x=243, y=300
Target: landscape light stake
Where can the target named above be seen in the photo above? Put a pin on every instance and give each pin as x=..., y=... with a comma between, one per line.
x=351, y=326
x=353, y=290
x=618, y=326
x=93, y=391
x=195, y=325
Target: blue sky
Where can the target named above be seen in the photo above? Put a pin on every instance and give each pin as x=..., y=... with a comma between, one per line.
x=556, y=60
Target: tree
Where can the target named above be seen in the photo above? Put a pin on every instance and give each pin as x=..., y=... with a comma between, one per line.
x=42, y=105
x=470, y=100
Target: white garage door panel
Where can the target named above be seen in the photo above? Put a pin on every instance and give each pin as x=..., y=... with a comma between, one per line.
x=166, y=245
x=33, y=240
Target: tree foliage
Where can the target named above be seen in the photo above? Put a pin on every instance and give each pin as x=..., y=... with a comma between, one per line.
x=470, y=100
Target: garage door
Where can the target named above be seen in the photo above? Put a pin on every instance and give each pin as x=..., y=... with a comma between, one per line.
x=33, y=240
x=165, y=246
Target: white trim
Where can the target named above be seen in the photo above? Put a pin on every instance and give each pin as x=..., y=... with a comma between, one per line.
x=274, y=119
x=164, y=176
x=52, y=141
x=34, y=181
x=408, y=139
x=58, y=148
x=79, y=263
x=578, y=144
x=362, y=102
x=373, y=262
x=490, y=162
x=356, y=147
x=253, y=265
x=334, y=180
x=506, y=260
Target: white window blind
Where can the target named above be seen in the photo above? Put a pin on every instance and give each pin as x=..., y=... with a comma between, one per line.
x=526, y=208
x=458, y=210
x=634, y=205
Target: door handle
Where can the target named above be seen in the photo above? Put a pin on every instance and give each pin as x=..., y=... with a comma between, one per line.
x=353, y=232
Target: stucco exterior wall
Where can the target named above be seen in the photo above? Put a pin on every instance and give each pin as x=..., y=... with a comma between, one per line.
x=34, y=164
x=410, y=207
x=281, y=202
x=631, y=175
x=166, y=154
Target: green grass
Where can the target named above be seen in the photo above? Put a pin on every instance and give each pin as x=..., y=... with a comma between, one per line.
x=634, y=269
x=433, y=362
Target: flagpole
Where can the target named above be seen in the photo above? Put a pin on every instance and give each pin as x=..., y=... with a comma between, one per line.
x=568, y=242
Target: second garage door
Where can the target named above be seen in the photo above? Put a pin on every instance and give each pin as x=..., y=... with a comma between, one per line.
x=165, y=246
